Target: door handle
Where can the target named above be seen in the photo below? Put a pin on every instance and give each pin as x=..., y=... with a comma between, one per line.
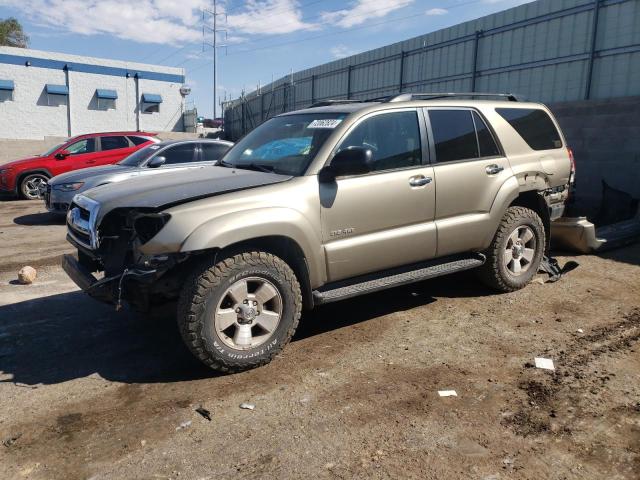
x=91, y=161
x=419, y=181
x=493, y=169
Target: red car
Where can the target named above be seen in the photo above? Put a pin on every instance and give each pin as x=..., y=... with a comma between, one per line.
x=27, y=177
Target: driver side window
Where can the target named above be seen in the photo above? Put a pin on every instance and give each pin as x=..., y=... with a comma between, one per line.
x=88, y=145
x=393, y=138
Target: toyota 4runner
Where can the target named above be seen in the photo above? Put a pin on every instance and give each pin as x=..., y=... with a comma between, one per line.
x=318, y=205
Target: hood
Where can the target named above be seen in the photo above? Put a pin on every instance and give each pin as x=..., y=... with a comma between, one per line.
x=85, y=173
x=23, y=162
x=173, y=188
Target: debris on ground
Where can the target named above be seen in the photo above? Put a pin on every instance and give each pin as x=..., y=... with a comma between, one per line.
x=544, y=363
x=204, y=412
x=447, y=393
x=247, y=406
x=11, y=440
x=580, y=330
x=27, y=275
x=183, y=425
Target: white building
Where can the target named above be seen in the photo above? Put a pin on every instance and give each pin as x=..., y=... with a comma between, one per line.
x=53, y=94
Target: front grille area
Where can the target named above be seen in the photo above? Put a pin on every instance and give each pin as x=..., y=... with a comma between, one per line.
x=79, y=225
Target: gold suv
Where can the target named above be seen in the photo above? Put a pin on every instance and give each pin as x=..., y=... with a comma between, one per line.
x=314, y=206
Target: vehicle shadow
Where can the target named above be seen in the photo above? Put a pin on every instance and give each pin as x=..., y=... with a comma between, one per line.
x=67, y=336
x=43, y=219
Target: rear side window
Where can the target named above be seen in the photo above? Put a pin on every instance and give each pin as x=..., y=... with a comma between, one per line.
x=454, y=135
x=112, y=143
x=179, y=154
x=138, y=140
x=534, y=126
x=213, y=151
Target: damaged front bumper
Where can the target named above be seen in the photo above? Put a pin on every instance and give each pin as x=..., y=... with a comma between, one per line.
x=109, y=289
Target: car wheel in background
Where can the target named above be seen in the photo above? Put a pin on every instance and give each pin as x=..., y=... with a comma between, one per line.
x=32, y=186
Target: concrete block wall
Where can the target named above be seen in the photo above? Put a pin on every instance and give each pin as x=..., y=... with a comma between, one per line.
x=605, y=138
x=28, y=116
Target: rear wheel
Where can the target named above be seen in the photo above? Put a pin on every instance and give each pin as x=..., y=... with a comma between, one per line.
x=516, y=250
x=239, y=313
x=32, y=186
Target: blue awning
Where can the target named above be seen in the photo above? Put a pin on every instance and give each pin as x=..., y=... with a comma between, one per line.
x=57, y=89
x=151, y=98
x=108, y=94
x=6, y=85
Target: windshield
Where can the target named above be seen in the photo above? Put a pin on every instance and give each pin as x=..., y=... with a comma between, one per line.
x=51, y=150
x=136, y=158
x=285, y=145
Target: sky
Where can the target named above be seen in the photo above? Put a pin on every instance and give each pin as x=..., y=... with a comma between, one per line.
x=263, y=39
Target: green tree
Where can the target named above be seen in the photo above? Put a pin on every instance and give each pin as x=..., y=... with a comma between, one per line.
x=11, y=34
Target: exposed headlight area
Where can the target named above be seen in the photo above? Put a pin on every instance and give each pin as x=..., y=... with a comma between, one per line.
x=147, y=225
x=67, y=187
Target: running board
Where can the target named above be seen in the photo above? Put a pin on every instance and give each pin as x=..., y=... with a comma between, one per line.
x=394, y=278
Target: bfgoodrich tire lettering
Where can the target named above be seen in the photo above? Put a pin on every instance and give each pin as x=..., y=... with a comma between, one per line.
x=205, y=293
x=515, y=252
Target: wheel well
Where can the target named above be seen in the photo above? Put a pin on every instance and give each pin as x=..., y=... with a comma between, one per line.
x=24, y=174
x=535, y=201
x=283, y=247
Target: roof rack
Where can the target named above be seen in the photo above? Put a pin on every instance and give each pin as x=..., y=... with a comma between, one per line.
x=327, y=103
x=406, y=97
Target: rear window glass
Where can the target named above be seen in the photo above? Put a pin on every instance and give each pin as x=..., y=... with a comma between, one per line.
x=454, y=135
x=534, y=126
x=138, y=140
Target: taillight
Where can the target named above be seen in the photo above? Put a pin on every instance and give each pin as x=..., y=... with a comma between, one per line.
x=573, y=163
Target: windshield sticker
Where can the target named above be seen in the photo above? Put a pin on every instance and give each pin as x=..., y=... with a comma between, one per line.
x=329, y=123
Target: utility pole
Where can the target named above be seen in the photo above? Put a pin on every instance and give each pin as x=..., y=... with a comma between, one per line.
x=215, y=46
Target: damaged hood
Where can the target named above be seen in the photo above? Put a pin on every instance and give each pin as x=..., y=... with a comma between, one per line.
x=175, y=187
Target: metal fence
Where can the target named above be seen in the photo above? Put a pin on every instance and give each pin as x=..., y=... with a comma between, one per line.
x=548, y=51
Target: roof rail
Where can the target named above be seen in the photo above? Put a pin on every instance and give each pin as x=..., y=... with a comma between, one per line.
x=327, y=103
x=405, y=97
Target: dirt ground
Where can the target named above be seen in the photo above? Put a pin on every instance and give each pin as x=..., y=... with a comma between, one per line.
x=89, y=393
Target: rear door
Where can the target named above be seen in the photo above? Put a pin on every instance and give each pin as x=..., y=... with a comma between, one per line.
x=114, y=148
x=469, y=169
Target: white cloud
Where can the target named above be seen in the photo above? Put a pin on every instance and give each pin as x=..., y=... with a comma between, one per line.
x=146, y=21
x=436, y=11
x=269, y=17
x=341, y=51
x=360, y=11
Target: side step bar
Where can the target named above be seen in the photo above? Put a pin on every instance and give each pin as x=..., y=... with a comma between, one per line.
x=394, y=278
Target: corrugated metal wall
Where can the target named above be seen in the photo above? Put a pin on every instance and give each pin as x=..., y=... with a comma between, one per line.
x=548, y=51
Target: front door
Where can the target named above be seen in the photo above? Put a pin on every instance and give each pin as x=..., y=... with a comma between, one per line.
x=469, y=169
x=82, y=154
x=381, y=219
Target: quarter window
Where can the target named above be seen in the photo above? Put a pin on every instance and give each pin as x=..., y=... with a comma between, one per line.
x=88, y=145
x=138, y=140
x=393, y=138
x=179, y=154
x=534, y=126
x=113, y=143
x=454, y=135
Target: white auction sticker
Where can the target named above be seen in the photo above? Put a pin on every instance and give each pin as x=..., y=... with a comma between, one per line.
x=328, y=123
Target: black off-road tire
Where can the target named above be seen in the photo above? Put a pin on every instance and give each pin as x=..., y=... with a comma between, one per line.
x=203, y=290
x=494, y=273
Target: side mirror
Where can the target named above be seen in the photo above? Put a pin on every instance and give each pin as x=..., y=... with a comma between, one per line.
x=156, y=162
x=350, y=161
x=62, y=154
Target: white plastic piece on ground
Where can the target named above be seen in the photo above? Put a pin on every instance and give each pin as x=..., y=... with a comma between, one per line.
x=580, y=330
x=183, y=425
x=545, y=363
x=447, y=393
x=247, y=406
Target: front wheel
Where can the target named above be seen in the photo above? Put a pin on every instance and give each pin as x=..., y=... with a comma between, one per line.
x=32, y=186
x=240, y=312
x=516, y=250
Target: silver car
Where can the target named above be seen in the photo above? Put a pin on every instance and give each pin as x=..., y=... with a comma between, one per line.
x=167, y=156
